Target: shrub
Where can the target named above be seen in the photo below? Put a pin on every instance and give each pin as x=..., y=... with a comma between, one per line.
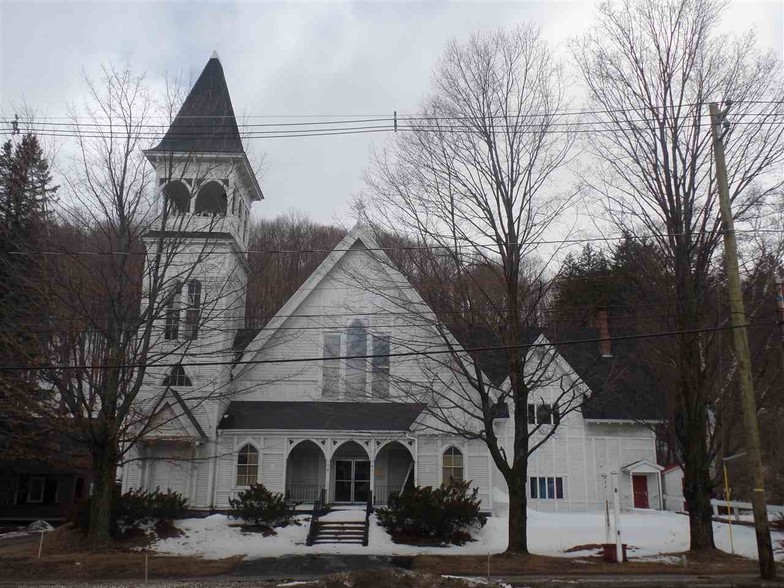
x=434, y=516
x=135, y=507
x=260, y=506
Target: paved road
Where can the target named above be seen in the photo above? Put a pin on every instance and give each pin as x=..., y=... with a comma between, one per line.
x=308, y=566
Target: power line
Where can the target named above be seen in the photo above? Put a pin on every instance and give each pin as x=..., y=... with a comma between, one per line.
x=387, y=116
x=317, y=359
x=573, y=241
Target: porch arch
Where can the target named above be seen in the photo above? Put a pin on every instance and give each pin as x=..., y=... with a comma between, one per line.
x=305, y=471
x=393, y=470
x=351, y=469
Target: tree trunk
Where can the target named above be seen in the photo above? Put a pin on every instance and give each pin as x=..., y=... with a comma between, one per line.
x=697, y=485
x=518, y=520
x=105, y=468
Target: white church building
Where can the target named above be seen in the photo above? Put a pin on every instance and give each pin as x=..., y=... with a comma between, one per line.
x=312, y=401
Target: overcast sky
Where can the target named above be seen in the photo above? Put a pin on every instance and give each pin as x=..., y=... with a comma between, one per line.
x=284, y=59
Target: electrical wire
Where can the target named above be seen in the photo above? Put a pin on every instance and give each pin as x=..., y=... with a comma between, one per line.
x=316, y=359
x=573, y=241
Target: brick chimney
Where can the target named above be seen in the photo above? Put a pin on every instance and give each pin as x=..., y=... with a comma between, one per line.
x=602, y=325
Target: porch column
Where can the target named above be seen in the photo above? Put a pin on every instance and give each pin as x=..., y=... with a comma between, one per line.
x=327, y=478
x=661, y=494
x=373, y=475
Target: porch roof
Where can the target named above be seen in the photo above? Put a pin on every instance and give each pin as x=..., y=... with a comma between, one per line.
x=333, y=416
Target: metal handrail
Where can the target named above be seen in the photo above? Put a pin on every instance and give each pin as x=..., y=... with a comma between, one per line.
x=317, y=506
x=368, y=510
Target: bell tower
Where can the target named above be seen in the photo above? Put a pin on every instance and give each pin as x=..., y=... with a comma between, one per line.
x=206, y=187
x=196, y=275
x=206, y=181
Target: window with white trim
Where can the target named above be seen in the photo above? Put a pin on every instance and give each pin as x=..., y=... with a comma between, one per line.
x=177, y=377
x=546, y=487
x=193, y=310
x=452, y=465
x=35, y=489
x=172, y=320
x=330, y=383
x=380, y=385
x=356, y=367
x=543, y=414
x=247, y=465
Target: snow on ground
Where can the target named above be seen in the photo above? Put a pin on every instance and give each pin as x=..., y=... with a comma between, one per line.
x=649, y=533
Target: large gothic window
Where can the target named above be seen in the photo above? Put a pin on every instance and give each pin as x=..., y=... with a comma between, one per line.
x=172, y=320
x=247, y=465
x=356, y=368
x=330, y=385
x=193, y=310
x=380, y=371
x=211, y=200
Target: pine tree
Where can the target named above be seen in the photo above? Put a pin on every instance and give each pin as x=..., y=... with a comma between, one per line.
x=26, y=191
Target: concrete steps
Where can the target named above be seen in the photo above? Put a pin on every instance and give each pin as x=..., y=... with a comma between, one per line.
x=340, y=532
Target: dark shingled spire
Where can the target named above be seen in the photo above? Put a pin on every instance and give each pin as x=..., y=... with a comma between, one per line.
x=205, y=123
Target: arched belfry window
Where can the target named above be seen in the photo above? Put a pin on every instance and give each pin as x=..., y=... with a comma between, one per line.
x=247, y=465
x=356, y=369
x=211, y=200
x=193, y=310
x=177, y=198
x=177, y=377
x=172, y=320
x=452, y=466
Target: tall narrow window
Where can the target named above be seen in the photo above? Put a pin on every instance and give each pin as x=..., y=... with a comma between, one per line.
x=330, y=385
x=381, y=366
x=172, y=321
x=193, y=310
x=356, y=369
x=452, y=465
x=247, y=465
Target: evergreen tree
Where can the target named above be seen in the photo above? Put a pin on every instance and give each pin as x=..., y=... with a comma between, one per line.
x=26, y=191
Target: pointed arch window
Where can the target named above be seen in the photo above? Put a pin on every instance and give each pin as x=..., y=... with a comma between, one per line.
x=172, y=320
x=452, y=465
x=356, y=368
x=193, y=310
x=177, y=377
x=247, y=465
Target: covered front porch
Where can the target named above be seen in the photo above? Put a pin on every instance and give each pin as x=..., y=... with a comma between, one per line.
x=645, y=485
x=348, y=470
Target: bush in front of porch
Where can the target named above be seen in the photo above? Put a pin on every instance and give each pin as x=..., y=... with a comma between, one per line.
x=433, y=516
x=263, y=508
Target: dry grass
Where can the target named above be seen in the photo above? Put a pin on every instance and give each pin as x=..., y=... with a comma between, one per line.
x=707, y=562
x=66, y=556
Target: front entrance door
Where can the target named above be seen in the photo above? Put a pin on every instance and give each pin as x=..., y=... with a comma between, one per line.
x=352, y=480
x=640, y=488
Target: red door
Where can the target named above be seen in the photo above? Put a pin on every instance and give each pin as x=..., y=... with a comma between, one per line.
x=640, y=488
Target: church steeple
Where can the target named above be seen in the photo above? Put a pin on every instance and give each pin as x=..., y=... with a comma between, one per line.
x=205, y=122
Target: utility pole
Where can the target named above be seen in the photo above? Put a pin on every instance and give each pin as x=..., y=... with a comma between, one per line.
x=738, y=320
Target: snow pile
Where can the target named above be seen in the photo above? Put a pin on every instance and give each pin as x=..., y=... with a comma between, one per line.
x=648, y=533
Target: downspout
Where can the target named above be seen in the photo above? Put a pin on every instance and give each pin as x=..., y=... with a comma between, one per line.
x=409, y=436
x=214, y=470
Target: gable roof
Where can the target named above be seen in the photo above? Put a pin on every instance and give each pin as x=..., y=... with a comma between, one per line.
x=332, y=416
x=623, y=387
x=358, y=238
x=190, y=424
x=205, y=122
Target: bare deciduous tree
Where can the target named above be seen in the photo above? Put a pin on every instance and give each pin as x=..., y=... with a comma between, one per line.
x=651, y=67
x=124, y=255
x=469, y=189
